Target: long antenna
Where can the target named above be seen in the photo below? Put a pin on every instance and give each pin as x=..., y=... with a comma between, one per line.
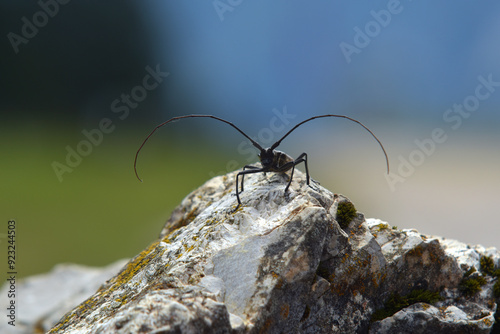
x=188, y=116
x=339, y=116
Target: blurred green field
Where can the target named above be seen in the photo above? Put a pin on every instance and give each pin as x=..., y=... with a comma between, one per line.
x=100, y=212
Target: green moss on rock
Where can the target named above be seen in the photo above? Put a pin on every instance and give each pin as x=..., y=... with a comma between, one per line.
x=396, y=302
x=345, y=213
x=471, y=284
x=487, y=265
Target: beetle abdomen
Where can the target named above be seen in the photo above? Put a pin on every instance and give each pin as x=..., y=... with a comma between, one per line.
x=280, y=159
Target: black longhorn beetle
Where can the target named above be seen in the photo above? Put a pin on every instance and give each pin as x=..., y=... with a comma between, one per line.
x=271, y=160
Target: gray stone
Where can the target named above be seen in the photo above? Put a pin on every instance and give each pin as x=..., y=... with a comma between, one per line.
x=42, y=300
x=282, y=264
x=424, y=318
x=448, y=260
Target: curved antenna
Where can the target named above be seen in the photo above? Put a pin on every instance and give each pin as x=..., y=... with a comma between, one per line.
x=188, y=116
x=339, y=116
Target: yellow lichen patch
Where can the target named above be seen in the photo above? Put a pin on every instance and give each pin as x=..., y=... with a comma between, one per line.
x=435, y=258
x=168, y=238
x=346, y=256
x=239, y=209
x=363, y=262
x=188, y=218
x=194, y=279
x=331, y=278
x=121, y=300
x=87, y=305
x=417, y=251
x=226, y=192
x=285, y=310
x=378, y=278
x=136, y=264
x=188, y=249
x=163, y=285
x=210, y=222
x=487, y=322
x=339, y=289
x=280, y=283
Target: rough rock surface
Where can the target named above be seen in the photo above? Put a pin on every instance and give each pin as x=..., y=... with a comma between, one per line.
x=283, y=264
x=42, y=300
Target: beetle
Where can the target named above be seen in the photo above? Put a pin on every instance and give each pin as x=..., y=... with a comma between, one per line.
x=271, y=160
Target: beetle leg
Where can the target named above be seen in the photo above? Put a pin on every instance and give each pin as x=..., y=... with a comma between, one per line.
x=243, y=173
x=292, y=164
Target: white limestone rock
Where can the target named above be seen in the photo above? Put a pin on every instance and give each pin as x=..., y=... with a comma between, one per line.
x=43, y=299
x=457, y=312
x=283, y=264
x=425, y=318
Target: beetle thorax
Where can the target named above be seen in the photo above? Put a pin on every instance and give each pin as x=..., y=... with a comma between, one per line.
x=273, y=160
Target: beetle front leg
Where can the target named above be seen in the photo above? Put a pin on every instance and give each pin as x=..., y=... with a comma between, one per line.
x=243, y=173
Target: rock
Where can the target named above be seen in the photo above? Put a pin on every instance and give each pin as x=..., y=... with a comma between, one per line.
x=424, y=318
x=43, y=299
x=282, y=264
x=449, y=260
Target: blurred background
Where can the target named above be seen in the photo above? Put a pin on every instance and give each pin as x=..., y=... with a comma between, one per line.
x=82, y=84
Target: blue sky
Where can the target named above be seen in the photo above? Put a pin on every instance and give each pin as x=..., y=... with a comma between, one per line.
x=248, y=58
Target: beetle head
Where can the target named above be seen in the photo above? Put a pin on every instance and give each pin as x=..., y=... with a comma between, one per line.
x=266, y=157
